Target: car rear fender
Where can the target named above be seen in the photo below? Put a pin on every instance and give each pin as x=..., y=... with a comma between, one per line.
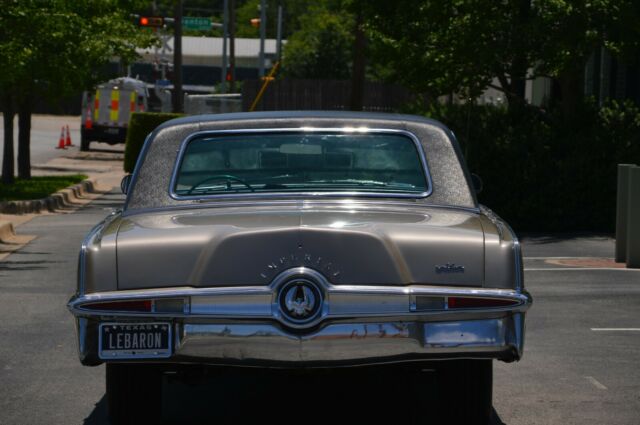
x=503, y=256
x=97, y=263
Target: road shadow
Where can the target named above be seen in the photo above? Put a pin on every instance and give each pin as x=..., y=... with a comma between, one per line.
x=99, y=414
x=393, y=396
x=495, y=418
x=25, y=265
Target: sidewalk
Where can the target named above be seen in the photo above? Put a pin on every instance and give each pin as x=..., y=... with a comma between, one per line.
x=569, y=251
x=103, y=167
x=568, y=245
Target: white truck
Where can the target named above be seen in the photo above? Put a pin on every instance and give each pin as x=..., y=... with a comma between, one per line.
x=106, y=112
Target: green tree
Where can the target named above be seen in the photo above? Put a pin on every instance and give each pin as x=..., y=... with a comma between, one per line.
x=50, y=48
x=445, y=46
x=292, y=11
x=322, y=47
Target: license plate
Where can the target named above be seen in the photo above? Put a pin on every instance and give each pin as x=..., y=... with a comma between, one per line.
x=112, y=131
x=134, y=340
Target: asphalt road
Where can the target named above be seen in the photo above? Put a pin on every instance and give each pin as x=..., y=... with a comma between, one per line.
x=45, y=134
x=570, y=374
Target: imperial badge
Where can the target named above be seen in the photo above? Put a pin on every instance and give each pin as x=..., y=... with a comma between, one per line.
x=300, y=300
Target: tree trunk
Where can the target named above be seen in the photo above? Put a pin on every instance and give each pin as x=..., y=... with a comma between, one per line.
x=24, y=139
x=8, y=159
x=516, y=95
x=519, y=66
x=571, y=82
x=519, y=82
x=358, y=68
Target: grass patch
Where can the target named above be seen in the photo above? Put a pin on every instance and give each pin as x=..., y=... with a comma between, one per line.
x=37, y=187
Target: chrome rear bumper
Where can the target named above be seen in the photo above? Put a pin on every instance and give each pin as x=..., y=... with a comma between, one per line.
x=358, y=325
x=354, y=343
x=269, y=344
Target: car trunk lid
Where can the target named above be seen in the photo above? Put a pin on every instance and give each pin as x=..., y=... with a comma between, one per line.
x=216, y=247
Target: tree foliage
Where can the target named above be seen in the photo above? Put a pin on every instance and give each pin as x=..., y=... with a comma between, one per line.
x=322, y=47
x=448, y=46
x=59, y=46
x=55, y=47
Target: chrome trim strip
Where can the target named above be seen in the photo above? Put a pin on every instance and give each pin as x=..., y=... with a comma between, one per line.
x=291, y=202
x=517, y=252
x=263, y=195
x=82, y=268
x=341, y=302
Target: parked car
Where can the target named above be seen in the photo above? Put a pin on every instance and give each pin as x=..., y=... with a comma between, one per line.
x=300, y=240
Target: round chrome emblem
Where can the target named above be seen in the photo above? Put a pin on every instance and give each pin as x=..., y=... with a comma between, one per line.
x=300, y=300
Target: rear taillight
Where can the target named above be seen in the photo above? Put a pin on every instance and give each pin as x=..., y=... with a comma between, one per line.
x=142, y=306
x=467, y=302
x=434, y=303
x=161, y=305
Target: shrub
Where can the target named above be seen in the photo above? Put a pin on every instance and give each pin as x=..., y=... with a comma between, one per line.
x=37, y=187
x=140, y=125
x=543, y=172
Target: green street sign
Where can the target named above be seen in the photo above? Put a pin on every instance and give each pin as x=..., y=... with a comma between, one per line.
x=194, y=23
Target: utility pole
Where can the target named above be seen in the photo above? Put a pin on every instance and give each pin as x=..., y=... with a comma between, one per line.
x=178, y=101
x=358, y=68
x=225, y=26
x=263, y=33
x=232, y=44
x=279, y=36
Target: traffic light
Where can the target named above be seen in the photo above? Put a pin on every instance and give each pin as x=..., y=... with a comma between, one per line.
x=151, y=21
x=255, y=22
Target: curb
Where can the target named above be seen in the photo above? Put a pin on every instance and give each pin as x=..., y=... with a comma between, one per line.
x=6, y=231
x=64, y=198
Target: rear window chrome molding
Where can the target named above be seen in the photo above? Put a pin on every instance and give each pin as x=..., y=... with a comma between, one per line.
x=307, y=194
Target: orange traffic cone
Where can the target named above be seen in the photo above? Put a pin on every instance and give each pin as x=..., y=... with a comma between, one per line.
x=68, y=139
x=61, y=141
x=88, y=122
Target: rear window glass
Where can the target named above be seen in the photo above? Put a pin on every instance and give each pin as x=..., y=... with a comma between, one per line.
x=301, y=162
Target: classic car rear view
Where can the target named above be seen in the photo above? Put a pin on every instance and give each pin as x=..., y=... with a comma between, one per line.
x=300, y=240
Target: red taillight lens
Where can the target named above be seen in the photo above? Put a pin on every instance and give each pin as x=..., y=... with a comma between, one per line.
x=464, y=302
x=138, y=306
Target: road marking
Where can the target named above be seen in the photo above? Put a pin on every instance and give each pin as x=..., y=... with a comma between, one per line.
x=615, y=329
x=595, y=383
x=555, y=269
